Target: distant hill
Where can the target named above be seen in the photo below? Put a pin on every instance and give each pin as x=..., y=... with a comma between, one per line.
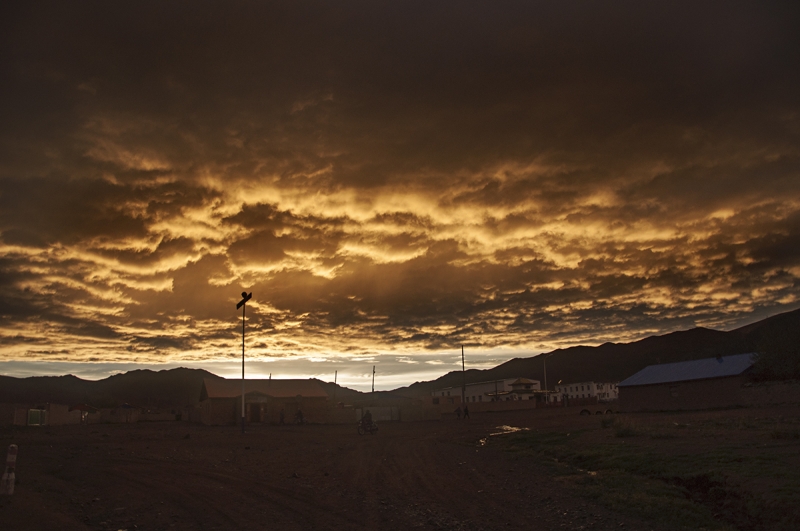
x=141, y=388
x=777, y=337
x=339, y=393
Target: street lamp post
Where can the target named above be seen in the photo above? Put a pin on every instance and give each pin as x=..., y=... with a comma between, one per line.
x=241, y=304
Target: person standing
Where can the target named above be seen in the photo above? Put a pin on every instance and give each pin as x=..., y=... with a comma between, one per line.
x=466, y=411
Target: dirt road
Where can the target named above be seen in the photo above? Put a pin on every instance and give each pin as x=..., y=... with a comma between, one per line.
x=424, y=475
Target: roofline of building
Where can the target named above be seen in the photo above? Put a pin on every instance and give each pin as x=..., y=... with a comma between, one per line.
x=718, y=358
x=672, y=382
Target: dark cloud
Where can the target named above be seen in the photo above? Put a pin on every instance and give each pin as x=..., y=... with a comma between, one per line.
x=388, y=175
x=164, y=342
x=165, y=249
x=58, y=210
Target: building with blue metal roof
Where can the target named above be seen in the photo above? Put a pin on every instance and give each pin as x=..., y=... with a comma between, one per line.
x=695, y=384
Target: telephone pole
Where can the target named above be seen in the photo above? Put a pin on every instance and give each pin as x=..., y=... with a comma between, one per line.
x=463, y=377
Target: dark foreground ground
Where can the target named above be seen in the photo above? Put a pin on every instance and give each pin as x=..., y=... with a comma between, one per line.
x=427, y=475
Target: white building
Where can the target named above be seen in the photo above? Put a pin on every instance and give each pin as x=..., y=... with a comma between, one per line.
x=507, y=389
x=602, y=391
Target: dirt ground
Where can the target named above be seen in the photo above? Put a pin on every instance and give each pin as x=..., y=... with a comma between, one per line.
x=416, y=475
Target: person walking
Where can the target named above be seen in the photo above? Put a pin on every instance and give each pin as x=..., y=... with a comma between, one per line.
x=466, y=412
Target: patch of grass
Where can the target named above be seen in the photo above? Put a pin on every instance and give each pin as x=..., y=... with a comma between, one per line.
x=649, y=499
x=623, y=427
x=621, y=477
x=785, y=434
x=698, y=481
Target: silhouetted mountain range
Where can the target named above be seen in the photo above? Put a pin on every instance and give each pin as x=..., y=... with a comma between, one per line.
x=778, y=337
x=141, y=388
x=173, y=388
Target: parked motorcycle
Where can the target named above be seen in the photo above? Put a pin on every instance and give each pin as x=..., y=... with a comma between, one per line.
x=364, y=427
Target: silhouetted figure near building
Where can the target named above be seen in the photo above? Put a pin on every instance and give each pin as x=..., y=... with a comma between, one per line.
x=458, y=412
x=466, y=412
x=298, y=417
x=366, y=419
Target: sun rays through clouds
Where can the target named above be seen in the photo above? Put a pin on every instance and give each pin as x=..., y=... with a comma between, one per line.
x=392, y=180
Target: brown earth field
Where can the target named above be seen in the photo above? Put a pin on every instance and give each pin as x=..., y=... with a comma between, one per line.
x=733, y=469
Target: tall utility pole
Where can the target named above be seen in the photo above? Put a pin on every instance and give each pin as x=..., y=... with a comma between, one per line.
x=463, y=377
x=241, y=304
x=335, y=374
x=545, y=372
x=373, y=378
x=544, y=361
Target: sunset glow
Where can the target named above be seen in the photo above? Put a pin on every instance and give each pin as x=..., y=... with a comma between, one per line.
x=515, y=181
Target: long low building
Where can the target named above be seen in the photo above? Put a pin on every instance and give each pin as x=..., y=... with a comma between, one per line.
x=696, y=384
x=38, y=415
x=221, y=400
x=602, y=391
x=491, y=391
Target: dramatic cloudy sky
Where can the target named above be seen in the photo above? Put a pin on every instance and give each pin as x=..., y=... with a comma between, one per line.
x=391, y=180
